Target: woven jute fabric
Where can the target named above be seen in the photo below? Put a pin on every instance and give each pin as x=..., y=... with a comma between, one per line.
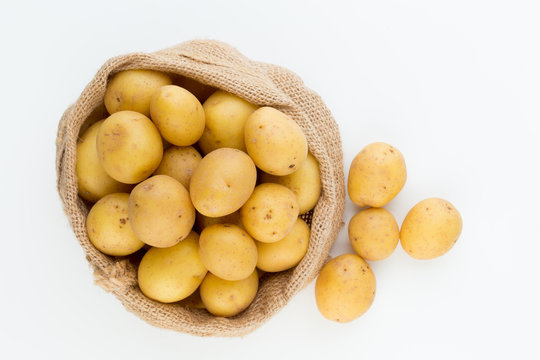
x=218, y=65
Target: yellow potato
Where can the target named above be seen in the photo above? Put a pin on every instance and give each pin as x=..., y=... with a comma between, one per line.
x=374, y=233
x=201, y=91
x=179, y=163
x=228, y=251
x=205, y=221
x=345, y=288
x=226, y=116
x=133, y=89
x=430, y=229
x=377, y=175
x=174, y=273
x=193, y=301
x=160, y=211
x=222, y=182
x=94, y=183
x=285, y=253
x=129, y=147
x=270, y=213
x=178, y=115
x=275, y=142
x=109, y=228
x=228, y=298
x=305, y=183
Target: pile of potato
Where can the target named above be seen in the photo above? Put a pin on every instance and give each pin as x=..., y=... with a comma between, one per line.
x=211, y=192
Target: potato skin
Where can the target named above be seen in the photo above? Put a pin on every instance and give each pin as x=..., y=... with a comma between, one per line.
x=109, y=228
x=160, y=211
x=275, y=142
x=202, y=221
x=174, y=273
x=222, y=183
x=345, y=288
x=133, y=89
x=228, y=298
x=374, y=233
x=93, y=182
x=377, y=174
x=430, y=229
x=228, y=251
x=129, y=147
x=179, y=163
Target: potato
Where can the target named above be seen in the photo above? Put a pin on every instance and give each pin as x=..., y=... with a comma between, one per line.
x=94, y=183
x=374, y=233
x=226, y=116
x=109, y=228
x=129, y=147
x=205, y=221
x=160, y=211
x=193, y=301
x=285, y=253
x=179, y=163
x=305, y=183
x=430, y=229
x=377, y=175
x=228, y=298
x=201, y=91
x=228, y=251
x=275, y=142
x=178, y=115
x=174, y=273
x=270, y=213
x=133, y=89
x=345, y=288
x=223, y=181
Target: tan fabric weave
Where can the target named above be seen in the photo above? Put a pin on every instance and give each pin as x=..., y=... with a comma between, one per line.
x=221, y=66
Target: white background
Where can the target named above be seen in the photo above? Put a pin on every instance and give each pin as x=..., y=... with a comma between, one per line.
x=455, y=85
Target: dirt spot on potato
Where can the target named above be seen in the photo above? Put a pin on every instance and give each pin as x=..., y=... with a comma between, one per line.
x=123, y=221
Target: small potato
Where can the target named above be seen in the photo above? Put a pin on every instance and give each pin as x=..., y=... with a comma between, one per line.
x=109, y=228
x=178, y=115
x=179, y=163
x=430, y=229
x=285, y=253
x=201, y=91
x=228, y=298
x=374, y=233
x=275, y=142
x=228, y=251
x=305, y=183
x=205, y=221
x=226, y=116
x=160, y=211
x=270, y=213
x=129, y=147
x=174, y=273
x=222, y=182
x=193, y=301
x=94, y=183
x=377, y=175
x=345, y=288
x=133, y=89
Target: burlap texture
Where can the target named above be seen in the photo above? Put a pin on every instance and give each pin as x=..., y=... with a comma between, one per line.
x=221, y=66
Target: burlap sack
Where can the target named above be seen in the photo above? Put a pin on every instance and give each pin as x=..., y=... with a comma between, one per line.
x=221, y=66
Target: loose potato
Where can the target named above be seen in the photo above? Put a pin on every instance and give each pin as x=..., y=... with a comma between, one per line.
x=174, y=273
x=94, y=183
x=374, y=233
x=270, y=213
x=345, y=288
x=430, y=229
x=285, y=253
x=228, y=298
x=275, y=142
x=178, y=115
x=129, y=147
x=222, y=182
x=228, y=251
x=179, y=163
x=160, y=211
x=226, y=116
x=133, y=89
x=377, y=175
x=305, y=183
x=204, y=221
x=109, y=228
